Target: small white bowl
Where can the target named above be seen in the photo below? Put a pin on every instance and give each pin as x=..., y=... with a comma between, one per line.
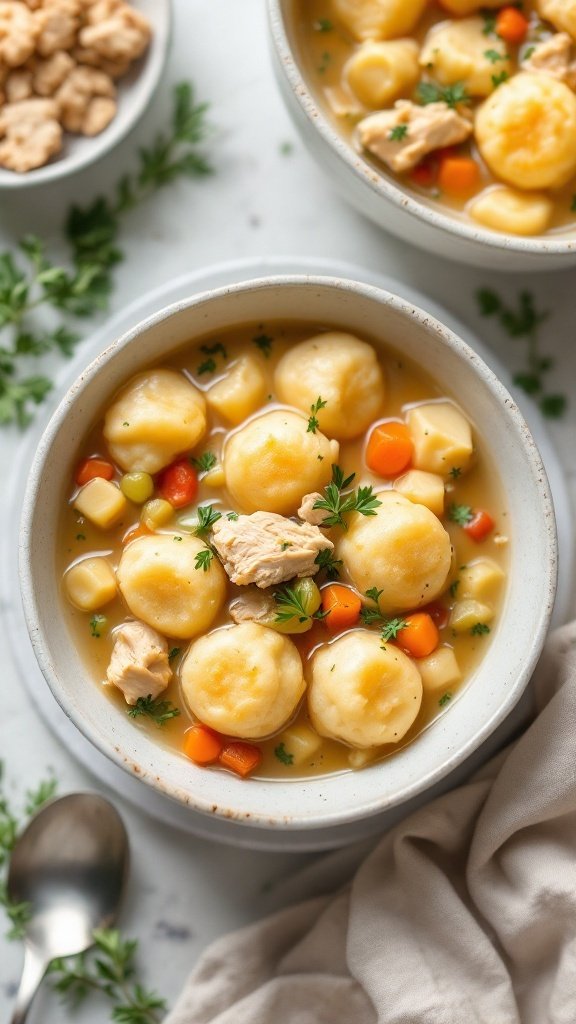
x=381, y=197
x=515, y=643
x=135, y=90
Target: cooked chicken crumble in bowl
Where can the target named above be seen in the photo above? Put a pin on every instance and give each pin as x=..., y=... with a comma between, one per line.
x=75, y=76
x=450, y=124
x=302, y=548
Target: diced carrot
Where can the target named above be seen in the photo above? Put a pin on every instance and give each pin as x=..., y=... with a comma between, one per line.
x=389, y=448
x=480, y=525
x=178, y=483
x=419, y=636
x=438, y=613
x=202, y=744
x=89, y=469
x=241, y=758
x=424, y=174
x=458, y=175
x=342, y=605
x=512, y=25
x=134, y=532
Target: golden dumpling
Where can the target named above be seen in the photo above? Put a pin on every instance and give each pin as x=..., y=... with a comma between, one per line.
x=403, y=550
x=243, y=681
x=273, y=461
x=456, y=51
x=158, y=415
x=363, y=692
x=340, y=369
x=379, y=19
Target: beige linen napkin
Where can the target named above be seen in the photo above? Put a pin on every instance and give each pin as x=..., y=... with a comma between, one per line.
x=464, y=913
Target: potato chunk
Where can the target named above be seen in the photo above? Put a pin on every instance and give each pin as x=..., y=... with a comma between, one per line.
x=403, y=550
x=422, y=488
x=300, y=743
x=240, y=392
x=506, y=209
x=379, y=73
x=439, y=670
x=362, y=693
x=272, y=461
x=455, y=51
x=467, y=614
x=165, y=588
x=343, y=371
x=379, y=19
x=102, y=502
x=442, y=437
x=525, y=132
x=158, y=415
x=561, y=13
x=90, y=584
x=244, y=681
x=481, y=580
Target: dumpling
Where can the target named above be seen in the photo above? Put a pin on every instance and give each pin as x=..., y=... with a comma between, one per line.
x=379, y=19
x=403, y=550
x=162, y=584
x=243, y=681
x=274, y=460
x=343, y=371
x=506, y=209
x=362, y=692
x=379, y=72
x=526, y=129
x=455, y=51
x=158, y=415
x=561, y=13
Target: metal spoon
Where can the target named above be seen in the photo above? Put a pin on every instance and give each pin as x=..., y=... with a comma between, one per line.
x=70, y=865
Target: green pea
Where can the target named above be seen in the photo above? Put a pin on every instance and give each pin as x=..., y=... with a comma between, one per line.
x=137, y=487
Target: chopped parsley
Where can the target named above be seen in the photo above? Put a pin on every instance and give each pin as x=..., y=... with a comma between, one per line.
x=160, y=711
x=177, y=538
x=323, y=66
x=80, y=536
x=203, y=559
x=452, y=95
x=528, y=53
x=391, y=628
x=499, y=79
x=286, y=148
x=363, y=500
x=493, y=56
x=205, y=462
x=455, y=472
x=323, y=25
x=326, y=560
x=489, y=23
x=445, y=699
x=371, y=615
x=313, y=423
x=98, y=624
x=479, y=629
x=374, y=594
x=293, y=603
x=208, y=366
x=232, y=516
x=174, y=653
x=264, y=343
x=285, y=544
x=398, y=133
x=283, y=755
x=214, y=350
x=207, y=516
x=461, y=514
x=454, y=587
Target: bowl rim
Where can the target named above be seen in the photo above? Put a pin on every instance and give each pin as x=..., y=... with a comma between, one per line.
x=372, y=804
x=379, y=183
x=151, y=67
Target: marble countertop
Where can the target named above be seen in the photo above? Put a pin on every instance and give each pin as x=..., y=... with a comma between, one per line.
x=265, y=199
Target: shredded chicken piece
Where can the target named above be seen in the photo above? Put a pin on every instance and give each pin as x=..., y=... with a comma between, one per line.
x=553, y=57
x=253, y=606
x=91, y=57
x=266, y=549
x=139, y=664
x=59, y=23
x=30, y=134
x=116, y=31
x=49, y=74
x=308, y=514
x=18, y=32
x=79, y=99
x=427, y=128
x=18, y=86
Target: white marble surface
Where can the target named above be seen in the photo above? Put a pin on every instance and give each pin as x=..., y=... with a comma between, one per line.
x=184, y=891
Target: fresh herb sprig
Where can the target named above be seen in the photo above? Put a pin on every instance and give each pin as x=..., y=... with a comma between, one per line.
x=524, y=322
x=159, y=711
x=391, y=628
x=452, y=95
x=207, y=516
x=30, y=279
x=203, y=559
x=205, y=462
x=326, y=560
x=337, y=505
x=291, y=604
x=313, y=422
x=283, y=755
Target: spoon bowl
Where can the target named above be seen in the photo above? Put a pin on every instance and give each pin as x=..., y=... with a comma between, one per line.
x=70, y=866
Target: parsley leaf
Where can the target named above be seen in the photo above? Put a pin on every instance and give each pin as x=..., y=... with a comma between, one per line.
x=323, y=25
x=326, y=560
x=205, y=462
x=461, y=514
x=499, y=79
x=494, y=55
x=98, y=624
x=159, y=711
x=479, y=629
x=445, y=699
x=398, y=132
x=203, y=559
x=207, y=366
x=283, y=755
x=313, y=421
x=452, y=95
x=264, y=343
x=392, y=627
x=207, y=516
x=336, y=504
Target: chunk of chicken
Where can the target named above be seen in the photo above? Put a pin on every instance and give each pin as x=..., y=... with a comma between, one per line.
x=58, y=22
x=427, y=128
x=30, y=134
x=308, y=514
x=115, y=69
x=18, y=32
x=553, y=57
x=18, y=86
x=253, y=606
x=49, y=74
x=87, y=101
x=139, y=664
x=266, y=548
x=116, y=31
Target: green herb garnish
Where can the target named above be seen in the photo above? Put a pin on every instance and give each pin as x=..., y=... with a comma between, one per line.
x=323, y=25
x=283, y=755
x=499, y=79
x=489, y=23
x=264, y=343
x=454, y=587
x=445, y=699
x=392, y=627
x=232, y=516
x=217, y=349
x=493, y=56
x=205, y=462
x=398, y=132
x=455, y=472
x=336, y=504
x=326, y=560
x=461, y=514
x=313, y=423
x=452, y=95
x=208, y=366
x=203, y=559
x=479, y=629
x=174, y=653
x=98, y=625
x=323, y=66
x=207, y=516
x=160, y=711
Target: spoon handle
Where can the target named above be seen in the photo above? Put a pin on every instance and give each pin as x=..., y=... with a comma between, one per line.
x=32, y=973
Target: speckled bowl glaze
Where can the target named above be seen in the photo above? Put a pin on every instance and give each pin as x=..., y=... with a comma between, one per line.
x=516, y=641
x=380, y=197
x=135, y=91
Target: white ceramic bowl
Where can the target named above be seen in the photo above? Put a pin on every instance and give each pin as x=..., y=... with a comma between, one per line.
x=135, y=90
x=380, y=197
x=514, y=645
